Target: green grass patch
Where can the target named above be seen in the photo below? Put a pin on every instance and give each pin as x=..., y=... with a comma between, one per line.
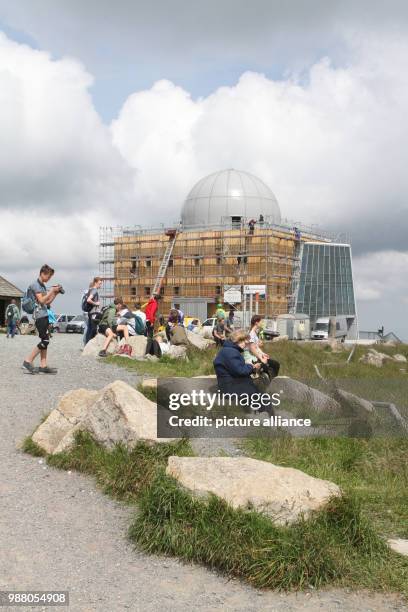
x=30, y=447
x=149, y=392
x=374, y=471
x=339, y=545
x=120, y=472
x=335, y=546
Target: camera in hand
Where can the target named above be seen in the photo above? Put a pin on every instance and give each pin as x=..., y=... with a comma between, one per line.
x=61, y=290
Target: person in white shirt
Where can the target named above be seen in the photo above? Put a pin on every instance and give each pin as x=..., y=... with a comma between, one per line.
x=139, y=312
x=254, y=352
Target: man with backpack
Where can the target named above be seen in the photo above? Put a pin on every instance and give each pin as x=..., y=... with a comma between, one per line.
x=12, y=318
x=90, y=305
x=35, y=302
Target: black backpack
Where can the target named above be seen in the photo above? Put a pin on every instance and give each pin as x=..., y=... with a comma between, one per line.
x=85, y=305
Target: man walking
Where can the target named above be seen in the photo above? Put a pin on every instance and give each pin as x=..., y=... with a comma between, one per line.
x=92, y=306
x=42, y=298
x=12, y=318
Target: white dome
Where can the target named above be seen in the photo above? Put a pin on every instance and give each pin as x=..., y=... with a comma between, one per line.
x=229, y=193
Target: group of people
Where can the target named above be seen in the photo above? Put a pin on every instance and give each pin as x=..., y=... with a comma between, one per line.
x=117, y=320
x=241, y=354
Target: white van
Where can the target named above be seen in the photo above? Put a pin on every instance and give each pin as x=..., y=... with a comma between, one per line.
x=321, y=328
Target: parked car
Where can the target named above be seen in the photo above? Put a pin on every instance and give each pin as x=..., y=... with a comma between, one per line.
x=62, y=322
x=76, y=325
x=321, y=329
x=211, y=322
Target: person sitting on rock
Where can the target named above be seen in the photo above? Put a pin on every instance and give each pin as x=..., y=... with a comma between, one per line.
x=233, y=374
x=123, y=327
x=178, y=335
x=157, y=346
x=254, y=353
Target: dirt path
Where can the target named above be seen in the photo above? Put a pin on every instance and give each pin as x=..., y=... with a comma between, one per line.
x=57, y=531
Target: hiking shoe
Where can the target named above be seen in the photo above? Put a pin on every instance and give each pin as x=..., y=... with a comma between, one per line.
x=103, y=354
x=29, y=367
x=47, y=370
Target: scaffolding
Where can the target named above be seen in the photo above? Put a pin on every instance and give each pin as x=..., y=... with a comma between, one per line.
x=197, y=263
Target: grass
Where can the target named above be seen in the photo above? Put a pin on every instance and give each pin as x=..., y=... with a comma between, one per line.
x=336, y=546
x=374, y=471
x=342, y=545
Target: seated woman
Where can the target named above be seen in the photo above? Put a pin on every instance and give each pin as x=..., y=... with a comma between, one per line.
x=123, y=328
x=233, y=374
x=254, y=352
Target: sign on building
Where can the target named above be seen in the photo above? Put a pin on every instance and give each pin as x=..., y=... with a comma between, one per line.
x=252, y=289
x=232, y=294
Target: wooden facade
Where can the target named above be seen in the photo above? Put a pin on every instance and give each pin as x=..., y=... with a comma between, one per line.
x=203, y=262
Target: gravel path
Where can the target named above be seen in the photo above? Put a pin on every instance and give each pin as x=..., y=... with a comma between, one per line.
x=57, y=531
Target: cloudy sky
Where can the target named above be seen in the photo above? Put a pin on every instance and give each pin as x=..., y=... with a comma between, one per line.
x=111, y=111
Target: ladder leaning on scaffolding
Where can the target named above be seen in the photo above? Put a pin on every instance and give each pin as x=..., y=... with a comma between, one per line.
x=296, y=269
x=172, y=234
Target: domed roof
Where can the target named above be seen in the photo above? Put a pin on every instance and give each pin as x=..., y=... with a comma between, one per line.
x=229, y=193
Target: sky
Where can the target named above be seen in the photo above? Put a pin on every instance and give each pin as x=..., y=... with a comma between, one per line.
x=110, y=112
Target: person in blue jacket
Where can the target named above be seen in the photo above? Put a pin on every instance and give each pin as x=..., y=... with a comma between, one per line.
x=233, y=374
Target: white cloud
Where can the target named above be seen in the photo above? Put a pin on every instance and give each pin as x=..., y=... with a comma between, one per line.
x=333, y=146
x=55, y=153
x=381, y=275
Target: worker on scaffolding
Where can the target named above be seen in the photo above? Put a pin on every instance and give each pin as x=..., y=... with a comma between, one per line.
x=251, y=225
x=297, y=233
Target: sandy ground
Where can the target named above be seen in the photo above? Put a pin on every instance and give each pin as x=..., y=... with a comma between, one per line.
x=57, y=531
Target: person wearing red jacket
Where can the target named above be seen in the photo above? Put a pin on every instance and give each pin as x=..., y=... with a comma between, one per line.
x=150, y=309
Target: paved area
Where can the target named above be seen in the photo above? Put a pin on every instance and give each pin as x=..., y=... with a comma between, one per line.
x=57, y=531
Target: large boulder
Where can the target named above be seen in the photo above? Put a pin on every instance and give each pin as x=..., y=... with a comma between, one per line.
x=399, y=545
x=121, y=414
x=92, y=348
x=300, y=393
x=357, y=405
x=383, y=356
x=177, y=352
x=284, y=494
x=375, y=358
x=70, y=411
x=198, y=340
x=117, y=413
x=206, y=332
x=149, y=383
x=138, y=344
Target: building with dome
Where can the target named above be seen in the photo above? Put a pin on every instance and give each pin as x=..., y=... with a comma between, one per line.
x=231, y=245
